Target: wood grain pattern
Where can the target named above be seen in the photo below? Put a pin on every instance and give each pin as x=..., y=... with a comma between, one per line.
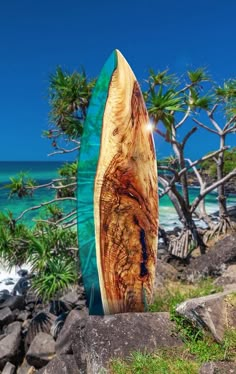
x=125, y=198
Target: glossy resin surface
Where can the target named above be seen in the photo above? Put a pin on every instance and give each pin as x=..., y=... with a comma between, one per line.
x=117, y=195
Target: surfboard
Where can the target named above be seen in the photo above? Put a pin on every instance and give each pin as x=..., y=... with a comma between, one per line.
x=117, y=195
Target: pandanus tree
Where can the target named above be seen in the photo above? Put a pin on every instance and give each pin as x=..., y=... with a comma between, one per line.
x=69, y=96
x=48, y=242
x=221, y=121
x=171, y=105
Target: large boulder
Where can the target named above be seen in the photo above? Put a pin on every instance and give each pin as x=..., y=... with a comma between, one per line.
x=64, y=364
x=41, y=350
x=213, y=312
x=10, y=349
x=6, y=316
x=214, y=262
x=98, y=339
x=14, y=302
x=63, y=343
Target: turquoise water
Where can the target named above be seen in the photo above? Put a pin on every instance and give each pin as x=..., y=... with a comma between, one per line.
x=43, y=172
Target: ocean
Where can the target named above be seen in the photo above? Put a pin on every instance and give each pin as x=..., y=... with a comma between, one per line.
x=43, y=172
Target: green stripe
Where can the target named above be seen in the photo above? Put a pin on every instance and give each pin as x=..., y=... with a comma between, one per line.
x=88, y=160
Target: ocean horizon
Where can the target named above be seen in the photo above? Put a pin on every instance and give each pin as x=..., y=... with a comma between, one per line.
x=43, y=171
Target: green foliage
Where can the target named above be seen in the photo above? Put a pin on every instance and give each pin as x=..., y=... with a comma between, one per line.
x=227, y=94
x=68, y=172
x=186, y=359
x=209, y=166
x=68, y=169
x=166, y=96
x=197, y=101
x=49, y=250
x=175, y=293
x=162, y=362
x=198, y=75
x=162, y=104
x=12, y=241
x=69, y=98
x=21, y=185
x=161, y=78
x=230, y=345
x=197, y=348
x=47, y=242
x=57, y=275
x=54, y=211
x=206, y=350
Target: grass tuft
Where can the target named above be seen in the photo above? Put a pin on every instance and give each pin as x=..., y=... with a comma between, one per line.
x=197, y=348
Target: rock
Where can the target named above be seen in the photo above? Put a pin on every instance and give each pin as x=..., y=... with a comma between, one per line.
x=97, y=339
x=64, y=364
x=81, y=304
x=42, y=322
x=23, y=315
x=58, y=306
x=4, y=295
x=218, y=368
x=214, y=312
x=6, y=316
x=70, y=299
x=228, y=277
x=22, y=272
x=214, y=262
x=75, y=298
x=9, y=282
x=25, y=368
x=14, y=302
x=10, y=345
x=21, y=286
x=58, y=325
x=9, y=369
x=41, y=350
x=164, y=272
x=63, y=343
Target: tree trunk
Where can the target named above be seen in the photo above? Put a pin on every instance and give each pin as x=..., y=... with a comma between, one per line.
x=181, y=246
x=220, y=174
x=183, y=178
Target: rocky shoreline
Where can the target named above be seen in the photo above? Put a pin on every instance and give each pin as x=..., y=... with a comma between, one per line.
x=62, y=338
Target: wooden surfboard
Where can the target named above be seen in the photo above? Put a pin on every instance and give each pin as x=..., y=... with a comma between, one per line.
x=118, y=195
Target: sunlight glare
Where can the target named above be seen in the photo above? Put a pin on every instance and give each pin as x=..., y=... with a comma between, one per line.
x=150, y=126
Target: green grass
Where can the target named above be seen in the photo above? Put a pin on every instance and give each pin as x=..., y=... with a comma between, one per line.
x=176, y=292
x=161, y=362
x=197, y=348
x=184, y=360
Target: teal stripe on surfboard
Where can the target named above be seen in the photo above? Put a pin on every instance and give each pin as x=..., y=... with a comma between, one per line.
x=88, y=160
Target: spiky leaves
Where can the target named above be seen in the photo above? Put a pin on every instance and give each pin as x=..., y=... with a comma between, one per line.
x=69, y=97
x=227, y=94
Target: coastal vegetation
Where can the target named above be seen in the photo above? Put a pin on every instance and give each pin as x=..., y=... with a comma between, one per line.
x=174, y=104
x=198, y=347
x=187, y=359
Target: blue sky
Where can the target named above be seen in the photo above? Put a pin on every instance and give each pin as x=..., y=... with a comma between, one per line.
x=37, y=36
